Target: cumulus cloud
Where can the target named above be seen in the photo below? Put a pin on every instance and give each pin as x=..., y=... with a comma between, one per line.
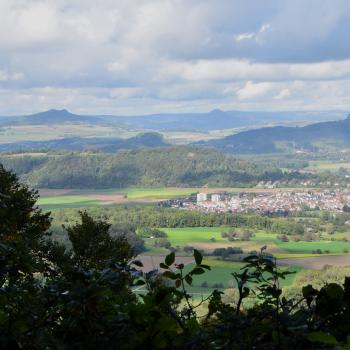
x=283, y=94
x=120, y=56
x=251, y=90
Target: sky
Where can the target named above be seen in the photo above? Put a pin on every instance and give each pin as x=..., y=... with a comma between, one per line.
x=128, y=57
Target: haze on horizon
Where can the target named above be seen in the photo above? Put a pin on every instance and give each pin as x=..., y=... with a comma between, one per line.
x=151, y=56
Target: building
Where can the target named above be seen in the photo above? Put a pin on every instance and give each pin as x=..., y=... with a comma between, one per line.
x=215, y=198
x=201, y=197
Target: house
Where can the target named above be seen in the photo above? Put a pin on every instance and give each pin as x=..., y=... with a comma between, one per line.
x=201, y=197
x=215, y=198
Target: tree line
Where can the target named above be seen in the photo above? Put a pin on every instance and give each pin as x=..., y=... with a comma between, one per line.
x=171, y=166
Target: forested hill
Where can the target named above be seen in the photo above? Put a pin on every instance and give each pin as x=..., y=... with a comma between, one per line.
x=104, y=144
x=314, y=137
x=172, y=166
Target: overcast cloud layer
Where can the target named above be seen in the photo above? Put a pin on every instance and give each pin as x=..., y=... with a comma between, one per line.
x=149, y=56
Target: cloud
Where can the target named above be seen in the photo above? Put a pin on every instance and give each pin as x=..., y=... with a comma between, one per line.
x=252, y=35
x=8, y=76
x=251, y=90
x=284, y=93
x=149, y=55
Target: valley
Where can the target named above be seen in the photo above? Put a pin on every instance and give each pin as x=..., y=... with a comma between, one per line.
x=137, y=172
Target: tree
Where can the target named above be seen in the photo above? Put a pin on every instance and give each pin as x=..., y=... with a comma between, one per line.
x=23, y=229
x=94, y=247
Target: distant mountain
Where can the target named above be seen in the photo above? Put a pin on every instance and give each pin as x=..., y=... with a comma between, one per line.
x=218, y=120
x=52, y=116
x=314, y=137
x=203, y=122
x=107, y=144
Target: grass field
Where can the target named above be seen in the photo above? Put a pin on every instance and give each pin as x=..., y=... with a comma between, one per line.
x=221, y=273
x=52, y=199
x=157, y=193
x=308, y=247
x=325, y=165
x=43, y=132
x=220, y=276
x=209, y=238
x=67, y=201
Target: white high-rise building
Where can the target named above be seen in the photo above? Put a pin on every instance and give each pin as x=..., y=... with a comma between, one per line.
x=215, y=198
x=201, y=197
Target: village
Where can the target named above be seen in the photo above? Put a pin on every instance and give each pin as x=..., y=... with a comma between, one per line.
x=266, y=202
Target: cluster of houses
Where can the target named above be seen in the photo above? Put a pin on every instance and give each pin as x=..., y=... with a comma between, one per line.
x=267, y=202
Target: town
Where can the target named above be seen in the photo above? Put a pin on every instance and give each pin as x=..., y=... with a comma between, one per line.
x=265, y=202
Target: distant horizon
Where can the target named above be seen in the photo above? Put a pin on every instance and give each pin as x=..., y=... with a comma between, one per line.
x=175, y=112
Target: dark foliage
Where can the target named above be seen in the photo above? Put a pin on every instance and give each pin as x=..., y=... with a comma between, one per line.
x=171, y=166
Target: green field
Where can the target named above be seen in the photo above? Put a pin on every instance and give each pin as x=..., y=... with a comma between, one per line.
x=83, y=198
x=157, y=193
x=325, y=165
x=221, y=273
x=209, y=238
x=308, y=247
x=220, y=276
x=203, y=237
x=67, y=201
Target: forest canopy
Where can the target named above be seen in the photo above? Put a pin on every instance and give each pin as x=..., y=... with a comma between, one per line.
x=173, y=166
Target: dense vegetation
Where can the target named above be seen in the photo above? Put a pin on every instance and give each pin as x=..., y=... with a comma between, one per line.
x=314, y=138
x=52, y=297
x=176, y=166
x=103, y=144
x=152, y=216
x=300, y=231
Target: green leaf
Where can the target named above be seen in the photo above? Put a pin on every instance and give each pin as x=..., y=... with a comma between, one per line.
x=163, y=266
x=188, y=279
x=207, y=267
x=169, y=259
x=169, y=274
x=177, y=283
x=323, y=338
x=198, y=257
x=197, y=271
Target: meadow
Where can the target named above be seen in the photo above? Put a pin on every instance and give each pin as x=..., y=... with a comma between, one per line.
x=67, y=201
x=50, y=199
x=292, y=256
x=221, y=272
x=326, y=165
x=209, y=238
x=220, y=276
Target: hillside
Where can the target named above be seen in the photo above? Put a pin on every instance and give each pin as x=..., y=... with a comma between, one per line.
x=105, y=144
x=171, y=166
x=316, y=137
x=52, y=116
